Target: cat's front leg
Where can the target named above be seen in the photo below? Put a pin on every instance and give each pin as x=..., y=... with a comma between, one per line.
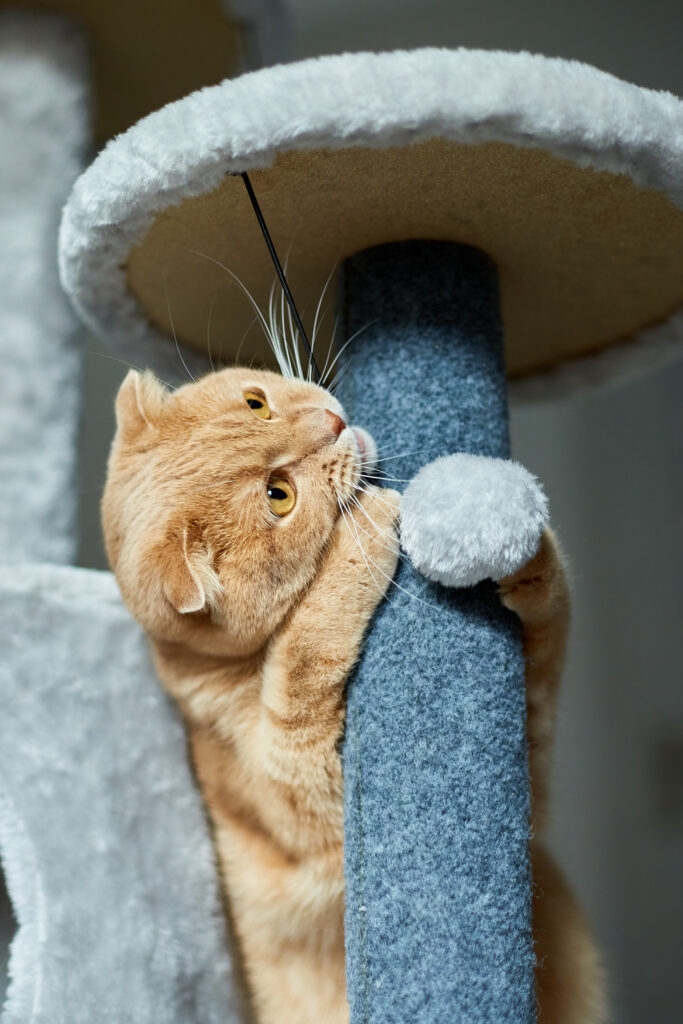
x=287, y=887
x=308, y=662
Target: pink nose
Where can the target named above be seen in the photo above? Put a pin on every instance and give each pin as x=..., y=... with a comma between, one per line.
x=336, y=422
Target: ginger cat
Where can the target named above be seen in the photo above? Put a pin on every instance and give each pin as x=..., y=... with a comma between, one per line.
x=226, y=519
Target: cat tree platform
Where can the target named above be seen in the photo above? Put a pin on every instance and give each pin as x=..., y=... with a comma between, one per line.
x=567, y=177
x=556, y=193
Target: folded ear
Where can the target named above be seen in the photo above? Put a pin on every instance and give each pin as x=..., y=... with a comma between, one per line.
x=139, y=402
x=188, y=578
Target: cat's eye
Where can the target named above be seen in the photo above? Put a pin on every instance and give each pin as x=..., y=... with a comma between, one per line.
x=281, y=495
x=258, y=404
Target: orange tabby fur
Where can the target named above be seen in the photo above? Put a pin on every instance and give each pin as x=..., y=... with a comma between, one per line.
x=256, y=622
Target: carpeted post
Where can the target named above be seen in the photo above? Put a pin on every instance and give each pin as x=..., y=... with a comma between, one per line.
x=438, y=905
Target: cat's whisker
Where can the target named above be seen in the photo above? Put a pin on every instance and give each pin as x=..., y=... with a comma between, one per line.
x=415, y=597
x=314, y=330
x=295, y=339
x=382, y=533
x=339, y=376
x=124, y=362
x=404, y=512
x=318, y=320
x=208, y=331
x=275, y=342
x=311, y=355
x=330, y=349
x=277, y=323
x=379, y=477
x=398, y=586
x=291, y=339
x=354, y=536
x=271, y=309
x=244, y=338
x=401, y=455
x=339, y=379
x=278, y=331
x=170, y=317
x=348, y=342
x=287, y=335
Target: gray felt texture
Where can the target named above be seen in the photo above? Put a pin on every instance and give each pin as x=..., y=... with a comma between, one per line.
x=104, y=841
x=43, y=139
x=438, y=924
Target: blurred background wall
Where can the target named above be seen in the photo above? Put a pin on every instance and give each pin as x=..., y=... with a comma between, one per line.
x=611, y=463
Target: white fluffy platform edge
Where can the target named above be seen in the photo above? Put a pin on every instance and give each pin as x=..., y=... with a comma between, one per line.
x=569, y=109
x=485, y=524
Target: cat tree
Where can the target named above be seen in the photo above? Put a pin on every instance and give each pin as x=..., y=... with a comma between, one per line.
x=456, y=189
x=407, y=168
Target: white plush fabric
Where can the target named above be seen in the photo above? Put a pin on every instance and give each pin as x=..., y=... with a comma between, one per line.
x=467, y=518
x=567, y=108
x=43, y=138
x=103, y=837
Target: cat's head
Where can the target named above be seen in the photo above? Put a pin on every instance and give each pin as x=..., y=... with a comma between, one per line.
x=221, y=499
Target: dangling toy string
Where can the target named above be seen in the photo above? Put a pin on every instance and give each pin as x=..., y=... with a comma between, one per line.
x=280, y=273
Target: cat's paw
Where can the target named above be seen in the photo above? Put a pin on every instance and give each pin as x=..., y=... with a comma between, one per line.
x=372, y=522
x=536, y=589
x=467, y=518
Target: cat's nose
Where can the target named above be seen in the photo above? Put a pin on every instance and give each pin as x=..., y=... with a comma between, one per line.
x=336, y=422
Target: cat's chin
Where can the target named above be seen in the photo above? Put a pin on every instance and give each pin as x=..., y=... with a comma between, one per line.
x=366, y=448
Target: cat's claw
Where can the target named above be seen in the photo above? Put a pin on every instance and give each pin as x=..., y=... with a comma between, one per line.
x=467, y=518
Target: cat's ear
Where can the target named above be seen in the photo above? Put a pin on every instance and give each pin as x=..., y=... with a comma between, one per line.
x=139, y=403
x=188, y=578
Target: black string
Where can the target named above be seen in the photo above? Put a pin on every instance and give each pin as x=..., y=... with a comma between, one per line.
x=280, y=273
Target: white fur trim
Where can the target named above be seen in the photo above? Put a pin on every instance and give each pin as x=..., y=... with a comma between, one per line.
x=569, y=109
x=467, y=518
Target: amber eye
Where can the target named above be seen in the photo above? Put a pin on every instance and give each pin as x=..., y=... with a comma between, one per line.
x=258, y=404
x=281, y=495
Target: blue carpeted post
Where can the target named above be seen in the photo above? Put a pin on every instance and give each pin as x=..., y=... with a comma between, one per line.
x=438, y=904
